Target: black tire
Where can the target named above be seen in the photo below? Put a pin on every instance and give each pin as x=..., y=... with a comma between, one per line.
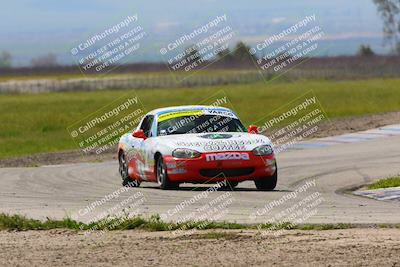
x=162, y=175
x=267, y=183
x=123, y=171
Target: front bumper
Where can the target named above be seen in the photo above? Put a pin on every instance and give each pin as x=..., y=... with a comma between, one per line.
x=213, y=169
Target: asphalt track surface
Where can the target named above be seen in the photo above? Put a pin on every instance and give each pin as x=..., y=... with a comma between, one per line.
x=67, y=190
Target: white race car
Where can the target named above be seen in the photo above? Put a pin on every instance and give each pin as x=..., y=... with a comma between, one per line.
x=196, y=144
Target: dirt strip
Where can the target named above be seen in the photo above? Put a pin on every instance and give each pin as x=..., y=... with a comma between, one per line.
x=357, y=123
x=350, y=247
x=335, y=127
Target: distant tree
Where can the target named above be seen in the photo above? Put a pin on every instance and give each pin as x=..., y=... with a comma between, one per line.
x=241, y=52
x=389, y=10
x=397, y=49
x=283, y=56
x=365, y=51
x=49, y=60
x=5, y=59
x=225, y=55
x=192, y=54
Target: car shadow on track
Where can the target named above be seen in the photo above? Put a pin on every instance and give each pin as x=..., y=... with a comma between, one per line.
x=204, y=188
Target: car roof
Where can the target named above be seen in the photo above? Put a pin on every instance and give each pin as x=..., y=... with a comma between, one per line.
x=177, y=108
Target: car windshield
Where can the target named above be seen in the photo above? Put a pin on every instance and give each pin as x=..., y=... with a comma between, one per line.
x=199, y=124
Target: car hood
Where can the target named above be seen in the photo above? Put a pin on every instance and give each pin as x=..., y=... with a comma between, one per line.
x=212, y=142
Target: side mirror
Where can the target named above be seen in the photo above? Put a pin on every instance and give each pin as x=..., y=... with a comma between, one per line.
x=139, y=134
x=253, y=129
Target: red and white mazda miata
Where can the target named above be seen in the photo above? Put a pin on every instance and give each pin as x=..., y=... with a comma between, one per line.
x=196, y=144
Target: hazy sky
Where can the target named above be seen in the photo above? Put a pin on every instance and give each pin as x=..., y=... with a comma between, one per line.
x=29, y=28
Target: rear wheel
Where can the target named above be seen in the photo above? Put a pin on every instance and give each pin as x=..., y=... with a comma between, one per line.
x=267, y=183
x=123, y=171
x=162, y=175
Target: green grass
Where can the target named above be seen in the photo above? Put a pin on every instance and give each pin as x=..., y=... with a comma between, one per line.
x=154, y=223
x=17, y=222
x=385, y=183
x=325, y=226
x=35, y=123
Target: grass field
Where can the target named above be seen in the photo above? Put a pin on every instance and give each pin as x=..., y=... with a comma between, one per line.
x=34, y=123
x=385, y=183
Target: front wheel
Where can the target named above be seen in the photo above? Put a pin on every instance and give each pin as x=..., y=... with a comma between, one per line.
x=123, y=171
x=267, y=183
x=162, y=176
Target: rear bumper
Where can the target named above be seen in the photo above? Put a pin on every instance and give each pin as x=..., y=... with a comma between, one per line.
x=215, y=167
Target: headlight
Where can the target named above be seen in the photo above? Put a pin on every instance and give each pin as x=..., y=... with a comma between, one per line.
x=263, y=150
x=185, y=153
